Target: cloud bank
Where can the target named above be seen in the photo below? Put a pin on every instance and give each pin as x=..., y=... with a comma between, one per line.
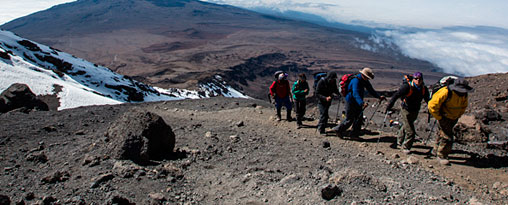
x=462, y=51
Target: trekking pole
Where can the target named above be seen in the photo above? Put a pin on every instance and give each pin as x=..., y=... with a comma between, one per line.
x=338, y=109
x=375, y=110
x=382, y=125
x=431, y=131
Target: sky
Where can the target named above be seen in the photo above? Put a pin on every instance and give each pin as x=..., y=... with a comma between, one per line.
x=464, y=37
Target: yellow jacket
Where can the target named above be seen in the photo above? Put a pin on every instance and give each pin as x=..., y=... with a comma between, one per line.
x=452, y=109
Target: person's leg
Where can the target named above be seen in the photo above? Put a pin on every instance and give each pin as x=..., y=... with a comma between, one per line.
x=444, y=140
x=344, y=125
x=322, y=118
x=409, y=130
x=278, y=107
x=289, y=107
x=357, y=115
x=300, y=110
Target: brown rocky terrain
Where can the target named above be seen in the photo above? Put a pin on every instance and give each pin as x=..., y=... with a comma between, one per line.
x=179, y=43
x=231, y=151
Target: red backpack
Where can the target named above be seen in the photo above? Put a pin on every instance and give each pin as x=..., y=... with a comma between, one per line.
x=344, y=83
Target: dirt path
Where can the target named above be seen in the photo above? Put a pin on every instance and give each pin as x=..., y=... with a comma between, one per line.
x=231, y=151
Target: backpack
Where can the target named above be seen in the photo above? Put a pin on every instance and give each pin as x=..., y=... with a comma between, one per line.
x=407, y=79
x=445, y=81
x=318, y=76
x=344, y=83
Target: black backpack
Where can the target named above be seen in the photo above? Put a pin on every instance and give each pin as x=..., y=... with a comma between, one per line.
x=317, y=77
x=445, y=81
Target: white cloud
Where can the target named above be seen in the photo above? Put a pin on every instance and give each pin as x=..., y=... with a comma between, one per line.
x=411, y=13
x=463, y=51
x=12, y=9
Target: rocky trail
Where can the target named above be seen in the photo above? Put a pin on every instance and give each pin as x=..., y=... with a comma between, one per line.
x=230, y=151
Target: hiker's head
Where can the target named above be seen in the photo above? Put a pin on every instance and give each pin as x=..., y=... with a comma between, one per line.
x=418, y=78
x=367, y=74
x=331, y=76
x=302, y=77
x=283, y=76
x=461, y=87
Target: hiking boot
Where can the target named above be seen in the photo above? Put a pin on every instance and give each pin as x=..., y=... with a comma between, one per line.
x=289, y=118
x=443, y=161
x=278, y=118
x=299, y=125
x=393, y=145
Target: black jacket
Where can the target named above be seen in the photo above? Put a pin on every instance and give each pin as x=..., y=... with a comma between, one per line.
x=326, y=87
x=412, y=102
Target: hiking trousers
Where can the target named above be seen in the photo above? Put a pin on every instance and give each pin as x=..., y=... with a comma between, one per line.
x=444, y=140
x=354, y=117
x=407, y=131
x=279, y=102
x=300, y=106
x=323, y=116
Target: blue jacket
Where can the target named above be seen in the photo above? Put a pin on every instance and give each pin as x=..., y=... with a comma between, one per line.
x=356, y=90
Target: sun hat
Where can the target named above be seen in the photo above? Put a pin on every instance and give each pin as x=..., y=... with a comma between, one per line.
x=461, y=85
x=367, y=72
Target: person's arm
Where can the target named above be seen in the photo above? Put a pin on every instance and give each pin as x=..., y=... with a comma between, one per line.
x=355, y=91
x=437, y=101
x=297, y=92
x=371, y=90
x=306, y=88
x=403, y=90
x=319, y=90
x=426, y=97
x=272, y=88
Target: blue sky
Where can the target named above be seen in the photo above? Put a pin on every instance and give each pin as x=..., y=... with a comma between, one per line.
x=465, y=37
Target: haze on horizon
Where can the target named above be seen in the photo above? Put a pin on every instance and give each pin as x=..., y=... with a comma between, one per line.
x=464, y=37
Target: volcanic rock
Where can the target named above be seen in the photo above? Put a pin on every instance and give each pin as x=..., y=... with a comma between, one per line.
x=329, y=192
x=140, y=136
x=20, y=96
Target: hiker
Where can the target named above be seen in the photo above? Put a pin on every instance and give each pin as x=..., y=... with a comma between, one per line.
x=447, y=110
x=326, y=87
x=411, y=92
x=279, y=90
x=300, y=91
x=355, y=104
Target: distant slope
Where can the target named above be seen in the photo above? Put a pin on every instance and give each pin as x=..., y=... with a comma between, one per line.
x=177, y=43
x=77, y=82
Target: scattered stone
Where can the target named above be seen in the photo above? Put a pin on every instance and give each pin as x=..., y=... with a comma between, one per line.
x=49, y=128
x=328, y=192
x=58, y=176
x=125, y=169
x=140, y=136
x=48, y=200
x=80, y=132
x=29, y=196
x=363, y=144
x=234, y=138
x=91, y=160
x=474, y=201
x=37, y=157
x=209, y=134
x=101, y=179
x=119, y=200
x=292, y=178
x=380, y=153
x=76, y=200
x=4, y=199
x=157, y=197
x=240, y=124
x=395, y=156
x=412, y=160
x=326, y=144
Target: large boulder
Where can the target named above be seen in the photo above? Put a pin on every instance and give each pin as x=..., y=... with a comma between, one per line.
x=140, y=136
x=20, y=96
x=470, y=130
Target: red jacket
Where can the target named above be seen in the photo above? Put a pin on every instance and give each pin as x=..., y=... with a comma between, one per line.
x=280, y=88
